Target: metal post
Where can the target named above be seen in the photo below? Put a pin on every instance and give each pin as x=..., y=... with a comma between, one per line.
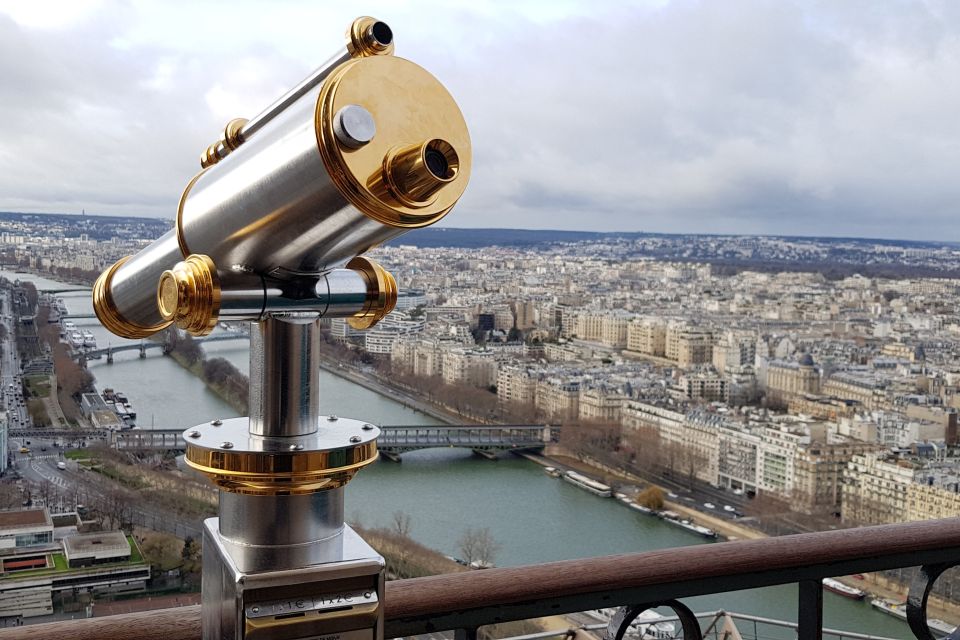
x=810, y=610
x=279, y=556
x=284, y=377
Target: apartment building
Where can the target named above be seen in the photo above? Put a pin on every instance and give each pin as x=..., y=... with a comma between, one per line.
x=875, y=489
x=600, y=405
x=704, y=386
x=788, y=380
x=475, y=367
x=688, y=346
x=647, y=336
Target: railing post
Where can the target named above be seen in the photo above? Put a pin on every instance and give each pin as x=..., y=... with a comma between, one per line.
x=466, y=633
x=810, y=610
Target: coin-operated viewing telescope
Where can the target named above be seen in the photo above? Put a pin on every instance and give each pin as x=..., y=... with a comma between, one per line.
x=271, y=230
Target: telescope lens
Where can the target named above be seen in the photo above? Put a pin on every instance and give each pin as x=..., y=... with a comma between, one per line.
x=437, y=163
x=382, y=33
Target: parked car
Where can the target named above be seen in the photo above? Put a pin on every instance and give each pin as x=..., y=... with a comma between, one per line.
x=709, y=505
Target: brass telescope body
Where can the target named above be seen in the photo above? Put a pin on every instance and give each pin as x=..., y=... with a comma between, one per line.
x=272, y=231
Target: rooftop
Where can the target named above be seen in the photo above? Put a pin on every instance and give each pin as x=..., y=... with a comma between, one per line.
x=99, y=541
x=23, y=518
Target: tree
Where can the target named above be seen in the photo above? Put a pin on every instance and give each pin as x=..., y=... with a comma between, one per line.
x=478, y=547
x=161, y=550
x=401, y=524
x=192, y=559
x=401, y=560
x=651, y=498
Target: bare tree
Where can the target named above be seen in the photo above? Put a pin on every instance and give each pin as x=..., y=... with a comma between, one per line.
x=478, y=547
x=45, y=491
x=401, y=527
x=401, y=524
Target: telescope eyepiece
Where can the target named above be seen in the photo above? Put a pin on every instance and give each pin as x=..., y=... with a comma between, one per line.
x=416, y=173
x=436, y=163
x=381, y=33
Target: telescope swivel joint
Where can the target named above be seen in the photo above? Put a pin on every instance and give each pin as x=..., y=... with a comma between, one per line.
x=194, y=296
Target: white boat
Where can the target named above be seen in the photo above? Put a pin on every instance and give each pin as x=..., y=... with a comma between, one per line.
x=899, y=610
x=89, y=341
x=844, y=590
x=675, y=519
x=594, y=487
x=649, y=625
x=641, y=508
x=553, y=472
x=76, y=339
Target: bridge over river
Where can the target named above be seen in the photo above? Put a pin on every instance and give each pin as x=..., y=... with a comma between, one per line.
x=144, y=346
x=485, y=440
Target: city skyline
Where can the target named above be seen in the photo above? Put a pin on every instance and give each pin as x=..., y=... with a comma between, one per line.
x=675, y=117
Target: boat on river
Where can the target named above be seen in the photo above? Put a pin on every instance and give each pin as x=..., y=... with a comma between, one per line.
x=899, y=610
x=553, y=472
x=582, y=481
x=674, y=518
x=844, y=590
x=641, y=508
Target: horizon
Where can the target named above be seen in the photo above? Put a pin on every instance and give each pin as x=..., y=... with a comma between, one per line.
x=440, y=227
x=758, y=117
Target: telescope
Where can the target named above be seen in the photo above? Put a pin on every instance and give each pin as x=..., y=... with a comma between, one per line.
x=272, y=230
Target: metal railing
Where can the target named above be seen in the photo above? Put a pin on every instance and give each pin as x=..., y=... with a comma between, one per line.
x=464, y=602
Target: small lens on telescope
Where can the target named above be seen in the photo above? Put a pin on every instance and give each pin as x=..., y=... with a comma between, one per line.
x=382, y=33
x=437, y=163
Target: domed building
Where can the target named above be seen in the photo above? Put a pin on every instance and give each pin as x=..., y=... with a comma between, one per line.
x=786, y=380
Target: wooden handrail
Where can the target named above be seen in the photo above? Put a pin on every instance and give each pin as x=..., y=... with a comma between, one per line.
x=494, y=595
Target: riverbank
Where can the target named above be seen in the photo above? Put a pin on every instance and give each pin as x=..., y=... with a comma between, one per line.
x=877, y=585
x=222, y=391
x=397, y=395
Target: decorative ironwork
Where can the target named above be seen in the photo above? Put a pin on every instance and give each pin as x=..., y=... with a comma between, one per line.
x=917, y=599
x=625, y=616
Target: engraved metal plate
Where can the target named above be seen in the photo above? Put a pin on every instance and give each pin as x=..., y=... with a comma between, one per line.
x=323, y=602
x=359, y=634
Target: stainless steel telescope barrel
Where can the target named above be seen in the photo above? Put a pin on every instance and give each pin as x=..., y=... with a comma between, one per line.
x=365, y=149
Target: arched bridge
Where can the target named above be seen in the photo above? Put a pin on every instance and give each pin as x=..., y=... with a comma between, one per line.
x=394, y=440
x=142, y=347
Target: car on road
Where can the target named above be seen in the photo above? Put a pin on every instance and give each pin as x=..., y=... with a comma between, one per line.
x=61, y=465
x=24, y=450
x=672, y=496
x=738, y=492
x=728, y=508
x=43, y=448
x=709, y=505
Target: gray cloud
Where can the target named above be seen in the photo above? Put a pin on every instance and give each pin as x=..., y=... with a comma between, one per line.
x=749, y=116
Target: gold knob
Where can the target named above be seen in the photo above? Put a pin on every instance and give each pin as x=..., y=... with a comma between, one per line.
x=189, y=295
x=381, y=293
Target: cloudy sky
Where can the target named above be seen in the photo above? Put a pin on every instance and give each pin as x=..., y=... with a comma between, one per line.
x=740, y=116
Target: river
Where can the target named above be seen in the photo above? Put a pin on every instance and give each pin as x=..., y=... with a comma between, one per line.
x=533, y=517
